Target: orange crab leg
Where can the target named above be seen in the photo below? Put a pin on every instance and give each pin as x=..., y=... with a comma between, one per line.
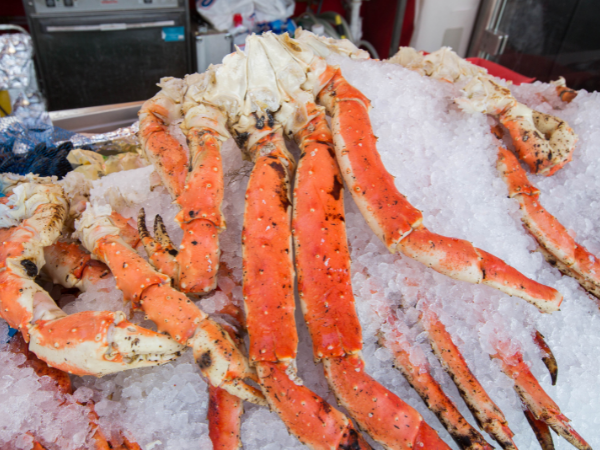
x=198, y=191
x=394, y=220
x=269, y=299
x=421, y=380
x=224, y=419
x=541, y=406
x=163, y=150
x=557, y=246
x=268, y=268
x=323, y=264
x=487, y=414
x=217, y=355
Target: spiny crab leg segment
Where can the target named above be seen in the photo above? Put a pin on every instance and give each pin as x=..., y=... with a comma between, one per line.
x=323, y=264
x=225, y=410
x=200, y=217
x=160, y=147
x=534, y=398
x=397, y=222
x=557, y=246
x=420, y=378
x=269, y=298
x=488, y=415
x=217, y=355
x=86, y=343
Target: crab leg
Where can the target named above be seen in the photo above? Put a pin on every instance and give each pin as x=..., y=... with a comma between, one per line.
x=86, y=343
x=535, y=399
x=269, y=299
x=397, y=223
x=488, y=415
x=71, y=266
x=421, y=380
x=200, y=192
x=545, y=143
x=217, y=355
x=323, y=264
x=557, y=246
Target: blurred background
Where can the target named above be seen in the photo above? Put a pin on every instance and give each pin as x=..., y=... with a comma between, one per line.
x=64, y=54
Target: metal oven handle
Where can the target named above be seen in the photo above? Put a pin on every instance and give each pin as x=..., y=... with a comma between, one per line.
x=109, y=26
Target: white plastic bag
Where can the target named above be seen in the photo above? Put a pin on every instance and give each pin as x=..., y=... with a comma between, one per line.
x=219, y=13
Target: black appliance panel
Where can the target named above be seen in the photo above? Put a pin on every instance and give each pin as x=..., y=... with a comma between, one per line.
x=88, y=61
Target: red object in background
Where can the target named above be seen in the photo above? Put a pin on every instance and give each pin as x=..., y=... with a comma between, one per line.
x=237, y=20
x=378, y=20
x=378, y=24
x=500, y=71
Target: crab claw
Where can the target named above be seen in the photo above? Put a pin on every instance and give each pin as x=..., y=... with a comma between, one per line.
x=99, y=343
x=160, y=250
x=222, y=362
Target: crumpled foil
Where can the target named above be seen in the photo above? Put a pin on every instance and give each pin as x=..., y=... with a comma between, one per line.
x=17, y=76
x=16, y=63
x=119, y=141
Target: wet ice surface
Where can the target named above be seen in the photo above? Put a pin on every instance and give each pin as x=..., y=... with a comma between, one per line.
x=444, y=162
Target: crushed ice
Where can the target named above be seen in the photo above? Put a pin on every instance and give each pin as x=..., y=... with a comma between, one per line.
x=444, y=162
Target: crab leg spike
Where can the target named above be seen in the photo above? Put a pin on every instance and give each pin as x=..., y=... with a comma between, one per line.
x=488, y=415
x=394, y=220
x=323, y=264
x=548, y=358
x=421, y=380
x=541, y=430
x=536, y=399
x=217, y=355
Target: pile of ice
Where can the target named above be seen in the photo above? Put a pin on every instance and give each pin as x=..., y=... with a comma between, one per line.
x=32, y=403
x=444, y=162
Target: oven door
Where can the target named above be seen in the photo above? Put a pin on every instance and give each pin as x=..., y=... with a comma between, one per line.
x=112, y=58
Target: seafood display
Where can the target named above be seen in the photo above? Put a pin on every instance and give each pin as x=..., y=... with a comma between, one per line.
x=289, y=222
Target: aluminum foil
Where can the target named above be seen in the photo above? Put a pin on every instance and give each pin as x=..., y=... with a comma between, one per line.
x=17, y=76
x=16, y=63
x=118, y=141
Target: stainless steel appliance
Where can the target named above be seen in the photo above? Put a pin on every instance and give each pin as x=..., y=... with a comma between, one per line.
x=98, y=52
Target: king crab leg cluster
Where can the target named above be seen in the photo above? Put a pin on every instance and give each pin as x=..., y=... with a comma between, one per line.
x=87, y=343
x=217, y=355
x=275, y=87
